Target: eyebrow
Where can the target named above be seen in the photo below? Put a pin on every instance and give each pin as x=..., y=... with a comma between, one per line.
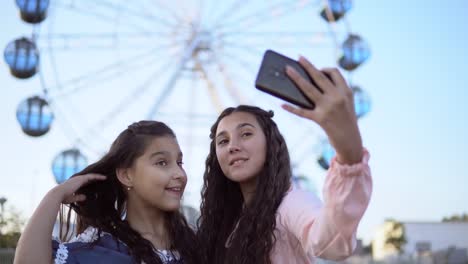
x=241, y=125
x=163, y=153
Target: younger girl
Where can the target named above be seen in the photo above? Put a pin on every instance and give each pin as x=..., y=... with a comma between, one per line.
x=127, y=206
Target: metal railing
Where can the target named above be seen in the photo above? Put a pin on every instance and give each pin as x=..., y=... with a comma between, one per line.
x=7, y=255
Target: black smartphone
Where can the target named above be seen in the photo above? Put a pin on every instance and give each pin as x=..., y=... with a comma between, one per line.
x=272, y=79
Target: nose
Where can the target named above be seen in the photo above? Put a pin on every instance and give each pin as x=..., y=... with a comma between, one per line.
x=179, y=173
x=233, y=147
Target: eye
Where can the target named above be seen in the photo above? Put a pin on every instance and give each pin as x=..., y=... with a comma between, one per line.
x=161, y=163
x=247, y=134
x=180, y=163
x=222, y=142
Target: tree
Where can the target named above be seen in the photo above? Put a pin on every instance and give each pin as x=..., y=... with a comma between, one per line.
x=395, y=235
x=456, y=218
x=11, y=223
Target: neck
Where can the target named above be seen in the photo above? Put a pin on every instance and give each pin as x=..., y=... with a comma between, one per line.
x=248, y=190
x=150, y=222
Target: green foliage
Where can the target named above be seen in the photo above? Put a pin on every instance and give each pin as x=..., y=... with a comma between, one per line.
x=9, y=240
x=11, y=223
x=456, y=218
x=395, y=235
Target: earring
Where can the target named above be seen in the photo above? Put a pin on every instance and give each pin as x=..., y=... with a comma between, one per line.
x=129, y=188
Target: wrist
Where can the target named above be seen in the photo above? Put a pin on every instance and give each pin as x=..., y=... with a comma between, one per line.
x=56, y=194
x=350, y=157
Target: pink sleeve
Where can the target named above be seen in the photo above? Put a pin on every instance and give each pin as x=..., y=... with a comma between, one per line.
x=329, y=231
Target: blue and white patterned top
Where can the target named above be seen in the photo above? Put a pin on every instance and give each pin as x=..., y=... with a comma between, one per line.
x=107, y=250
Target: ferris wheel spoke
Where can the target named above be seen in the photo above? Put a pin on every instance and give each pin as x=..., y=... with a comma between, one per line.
x=102, y=17
x=262, y=34
x=212, y=91
x=310, y=148
x=259, y=36
x=228, y=20
x=187, y=53
x=232, y=9
x=210, y=11
x=103, y=35
x=64, y=120
x=66, y=88
x=198, y=14
x=240, y=70
x=255, y=52
x=55, y=109
x=263, y=15
x=285, y=42
x=228, y=83
x=128, y=100
x=149, y=10
x=239, y=60
x=111, y=41
x=130, y=13
x=92, y=82
x=162, y=5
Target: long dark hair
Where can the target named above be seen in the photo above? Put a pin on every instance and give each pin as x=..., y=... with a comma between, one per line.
x=105, y=200
x=222, y=206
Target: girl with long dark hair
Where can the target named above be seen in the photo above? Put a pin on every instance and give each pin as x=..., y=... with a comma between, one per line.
x=251, y=214
x=127, y=207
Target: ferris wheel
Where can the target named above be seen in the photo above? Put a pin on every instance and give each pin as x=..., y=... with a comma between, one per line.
x=105, y=64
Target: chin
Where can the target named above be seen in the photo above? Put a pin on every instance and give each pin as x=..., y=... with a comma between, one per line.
x=239, y=178
x=171, y=207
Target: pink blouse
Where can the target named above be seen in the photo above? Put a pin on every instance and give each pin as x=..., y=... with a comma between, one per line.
x=307, y=229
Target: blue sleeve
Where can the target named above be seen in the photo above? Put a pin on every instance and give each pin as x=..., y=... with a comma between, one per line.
x=106, y=250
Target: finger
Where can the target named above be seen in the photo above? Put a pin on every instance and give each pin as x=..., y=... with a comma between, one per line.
x=79, y=197
x=75, y=198
x=78, y=181
x=335, y=76
x=319, y=78
x=306, y=87
x=91, y=177
x=95, y=177
x=299, y=111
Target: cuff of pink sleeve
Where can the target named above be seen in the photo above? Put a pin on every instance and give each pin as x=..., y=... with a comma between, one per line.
x=353, y=169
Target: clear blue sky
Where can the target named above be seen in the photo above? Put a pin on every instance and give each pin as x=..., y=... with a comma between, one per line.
x=416, y=132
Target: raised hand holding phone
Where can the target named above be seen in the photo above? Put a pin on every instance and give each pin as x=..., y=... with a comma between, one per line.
x=334, y=108
x=272, y=79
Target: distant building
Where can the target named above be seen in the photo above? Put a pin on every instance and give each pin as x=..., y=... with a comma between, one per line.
x=437, y=242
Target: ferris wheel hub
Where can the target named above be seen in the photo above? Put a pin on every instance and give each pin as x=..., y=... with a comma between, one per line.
x=203, y=53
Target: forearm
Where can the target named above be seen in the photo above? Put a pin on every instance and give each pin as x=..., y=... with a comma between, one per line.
x=328, y=230
x=347, y=194
x=347, y=144
x=35, y=244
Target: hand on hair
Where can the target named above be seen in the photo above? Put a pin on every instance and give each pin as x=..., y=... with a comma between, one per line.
x=334, y=109
x=66, y=191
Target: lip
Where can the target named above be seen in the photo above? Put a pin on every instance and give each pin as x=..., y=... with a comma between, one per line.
x=175, y=190
x=232, y=161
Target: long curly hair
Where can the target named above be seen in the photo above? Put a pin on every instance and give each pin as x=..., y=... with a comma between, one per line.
x=250, y=229
x=104, y=206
